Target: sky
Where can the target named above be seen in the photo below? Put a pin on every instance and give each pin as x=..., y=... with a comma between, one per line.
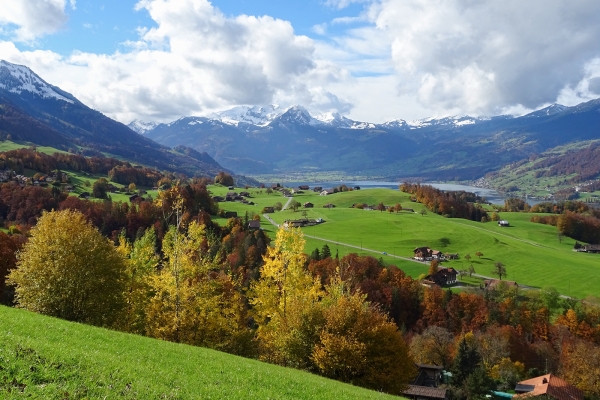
x=370, y=60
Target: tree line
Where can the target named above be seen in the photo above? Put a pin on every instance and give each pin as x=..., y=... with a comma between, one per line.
x=452, y=204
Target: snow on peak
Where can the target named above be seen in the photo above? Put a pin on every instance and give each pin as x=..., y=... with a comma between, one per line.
x=255, y=115
x=142, y=127
x=456, y=120
x=547, y=111
x=18, y=79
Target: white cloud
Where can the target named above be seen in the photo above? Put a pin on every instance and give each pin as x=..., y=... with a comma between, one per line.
x=196, y=59
x=339, y=4
x=483, y=56
x=33, y=19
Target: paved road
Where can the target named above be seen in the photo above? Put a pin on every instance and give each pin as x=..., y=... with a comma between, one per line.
x=287, y=204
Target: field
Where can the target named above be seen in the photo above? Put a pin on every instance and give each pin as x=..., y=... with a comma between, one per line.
x=532, y=253
x=42, y=357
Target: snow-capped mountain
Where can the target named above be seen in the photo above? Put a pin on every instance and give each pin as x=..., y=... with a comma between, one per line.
x=547, y=111
x=19, y=79
x=254, y=115
x=142, y=127
x=456, y=121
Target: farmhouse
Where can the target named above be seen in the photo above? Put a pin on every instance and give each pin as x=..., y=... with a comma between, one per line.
x=230, y=214
x=425, y=385
x=269, y=210
x=253, y=224
x=326, y=192
x=329, y=205
x=422, y=253
x=444, y=276
x=308, y=205
x=548, y=386
x=503, y=222
x=303, y=187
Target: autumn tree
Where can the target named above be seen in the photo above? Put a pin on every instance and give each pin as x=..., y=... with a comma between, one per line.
x=499, y=269
x=467, y=257
x=192, y=303
x=81, y=271
x=141, y=263
x=479, y=254
x=434, y=346
x=9, y=245
x=359, y=344
x=433, y=267
x=381, y=207
x=398, y=207
x=224, y=179
x=285, y=303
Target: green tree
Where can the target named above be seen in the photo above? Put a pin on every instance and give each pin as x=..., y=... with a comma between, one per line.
x=471, y=270
x=325, y=252
x=466, y=361
x=467, y=257
x=68, y=270
x=100, y=188
x=294, y=205
x=499, y=269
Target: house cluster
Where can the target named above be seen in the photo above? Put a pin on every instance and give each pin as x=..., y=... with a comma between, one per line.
x=427, y=254
x=432, y=380
x=299, y=223
x=241, y=197
x=43, y=180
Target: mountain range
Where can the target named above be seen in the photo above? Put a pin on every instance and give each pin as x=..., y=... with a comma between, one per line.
x=34, y=111
x=271, y=140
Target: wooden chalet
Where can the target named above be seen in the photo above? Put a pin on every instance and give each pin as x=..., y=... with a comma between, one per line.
x=308, y=205
x=422, y=254
x=303, y=187
x=230, y=214
x=329, y=205
x=253, y=224
x=269, y=210
x=425, y=385
x=444, y=277
x=547, y=386
x=326, y=192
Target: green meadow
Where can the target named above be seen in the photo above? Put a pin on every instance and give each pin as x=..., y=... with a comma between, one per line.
x=47, y=358
x=532, y=253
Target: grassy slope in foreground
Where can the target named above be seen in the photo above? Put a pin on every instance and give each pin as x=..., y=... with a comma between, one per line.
x=50, y=358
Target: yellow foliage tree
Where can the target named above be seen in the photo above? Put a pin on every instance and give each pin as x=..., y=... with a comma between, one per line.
x=68, y=270
x=192, y=302
x=359, y=344
x=141, y=263
x=285, y=303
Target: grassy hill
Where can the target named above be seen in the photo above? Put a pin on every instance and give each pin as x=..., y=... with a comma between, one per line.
x=42, y=357
x=532, y=252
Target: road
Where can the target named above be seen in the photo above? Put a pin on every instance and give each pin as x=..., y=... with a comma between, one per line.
x=425, y=264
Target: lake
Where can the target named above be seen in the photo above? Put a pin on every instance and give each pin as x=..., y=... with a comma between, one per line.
x=490, y=194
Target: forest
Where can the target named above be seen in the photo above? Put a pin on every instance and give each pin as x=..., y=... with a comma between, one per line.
x=455, y=204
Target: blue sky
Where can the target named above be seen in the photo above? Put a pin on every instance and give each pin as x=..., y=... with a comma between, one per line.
x=371, y=60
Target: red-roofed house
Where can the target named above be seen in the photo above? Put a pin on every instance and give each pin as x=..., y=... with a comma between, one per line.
x=549, y=385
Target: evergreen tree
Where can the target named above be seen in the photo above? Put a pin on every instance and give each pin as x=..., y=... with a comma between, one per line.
x=466, y=361
x=325, y=252
x=315, y=255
